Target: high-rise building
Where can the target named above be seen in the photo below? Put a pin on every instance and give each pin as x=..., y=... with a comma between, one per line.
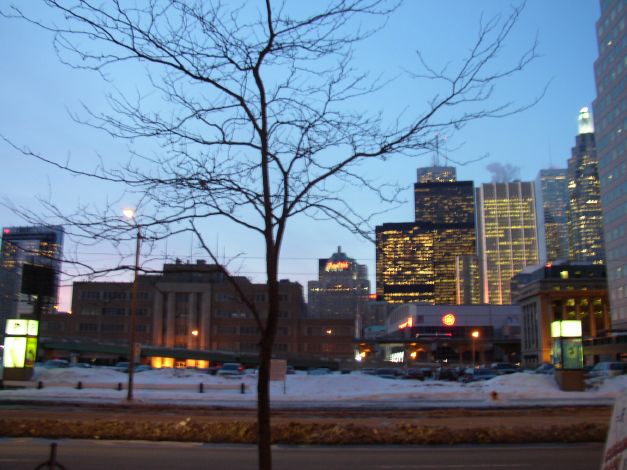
x=508, y=235
x=441, y=174
x=552, y=192
x=467, y=280
x=610, y=113
x=38, y=246
x=585, y=217
x=405, y=271
x=421, y=261
x=341, y=290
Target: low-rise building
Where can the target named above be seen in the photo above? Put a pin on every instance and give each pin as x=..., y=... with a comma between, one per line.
x=448, y=333
x=560, y=291
x=194, y=307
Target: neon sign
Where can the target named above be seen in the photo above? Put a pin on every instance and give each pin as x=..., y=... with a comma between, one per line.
x=334, y=266
x=408, y=323
x=448, y=319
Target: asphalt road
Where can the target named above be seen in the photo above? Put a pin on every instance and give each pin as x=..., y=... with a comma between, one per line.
x=27, y=453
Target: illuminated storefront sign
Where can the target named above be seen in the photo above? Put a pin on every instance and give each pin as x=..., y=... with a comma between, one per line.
x=18, y=327
x=335, y=266
x=449, y=319
x=20, y=343
x=566, y=329
x=567, y=350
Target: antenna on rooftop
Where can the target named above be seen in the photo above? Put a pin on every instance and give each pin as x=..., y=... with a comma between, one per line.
x=436, y=155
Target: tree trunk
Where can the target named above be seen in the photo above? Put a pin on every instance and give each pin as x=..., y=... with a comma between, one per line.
x=264, y=438
x=264, y=434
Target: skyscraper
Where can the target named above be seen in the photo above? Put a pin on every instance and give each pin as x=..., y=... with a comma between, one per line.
x=552, y=192
x=39, y=246
x=508, y=235
x=419, y=262
x=585, y=218
x=436, y=173
x=405, y=268
x=341, y=290
x=610, y=113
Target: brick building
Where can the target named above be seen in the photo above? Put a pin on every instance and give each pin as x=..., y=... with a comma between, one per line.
x=194, y=307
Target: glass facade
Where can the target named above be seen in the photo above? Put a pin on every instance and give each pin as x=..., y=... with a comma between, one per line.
x=508, y=236
x=610, y=116
x=552, y=191
x=39, y=246
x=585, y=217
x=422, y=261
x=405, y=270
x=446, y=203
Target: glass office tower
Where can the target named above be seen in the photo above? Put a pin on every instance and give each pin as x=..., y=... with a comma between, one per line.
x=422, y=261
x=610, y=116
x=39, y=246
x=585, y=217
x=508, y=236
x=552, y=192
x=405, y=268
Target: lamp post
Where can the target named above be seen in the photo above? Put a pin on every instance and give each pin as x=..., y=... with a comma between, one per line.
x=475, y=336
x=130, y=214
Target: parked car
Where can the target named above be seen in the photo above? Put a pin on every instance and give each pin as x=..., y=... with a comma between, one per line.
x=413, y=374
x=121, y=366
x=545, y=368
x=607, y=369
x=56, y=364
x=319, y=371
x=472, y=374
x=387, y=373
x=367, y=371
x=446, y=373
x=81, y=365
x=230, y=369
x=503, y=368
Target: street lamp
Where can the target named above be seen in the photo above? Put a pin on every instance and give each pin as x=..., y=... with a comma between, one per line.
x=475, y=336
x=130, y=214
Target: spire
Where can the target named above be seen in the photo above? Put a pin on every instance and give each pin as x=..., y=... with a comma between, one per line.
x=585, y=121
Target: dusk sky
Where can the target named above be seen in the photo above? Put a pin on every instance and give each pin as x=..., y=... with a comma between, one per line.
x=37, y=94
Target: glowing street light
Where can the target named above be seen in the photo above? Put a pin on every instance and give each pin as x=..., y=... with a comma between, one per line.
x=130, y=214
x=475, y=335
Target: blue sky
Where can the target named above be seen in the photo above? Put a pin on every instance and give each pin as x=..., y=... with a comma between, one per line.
x=37, y=93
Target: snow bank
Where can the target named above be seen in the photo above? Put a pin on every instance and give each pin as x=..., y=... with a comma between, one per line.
x=332, y=388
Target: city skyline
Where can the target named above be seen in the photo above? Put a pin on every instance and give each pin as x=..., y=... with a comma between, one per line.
x=39, y=117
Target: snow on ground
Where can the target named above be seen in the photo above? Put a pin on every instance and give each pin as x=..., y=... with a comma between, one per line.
x=344, y=389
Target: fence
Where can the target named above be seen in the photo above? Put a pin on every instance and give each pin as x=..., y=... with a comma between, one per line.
x=197, y=387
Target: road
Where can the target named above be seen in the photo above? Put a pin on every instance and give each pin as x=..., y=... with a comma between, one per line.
x=27, y=453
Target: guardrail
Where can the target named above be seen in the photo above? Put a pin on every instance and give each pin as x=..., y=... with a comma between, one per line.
x=198, y=387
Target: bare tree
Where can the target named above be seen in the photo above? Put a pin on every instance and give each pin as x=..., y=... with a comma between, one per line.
x=253, y=106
